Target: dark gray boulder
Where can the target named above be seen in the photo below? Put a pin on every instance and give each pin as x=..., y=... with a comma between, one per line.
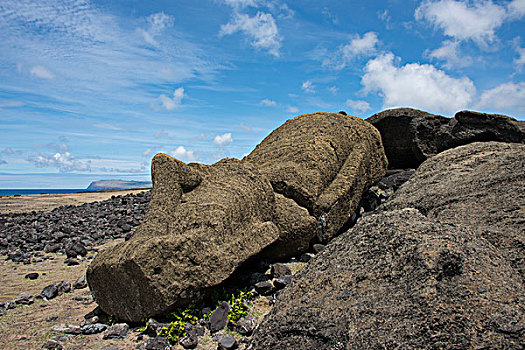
x=400, y=280
x=410, y=136
x=440, y=265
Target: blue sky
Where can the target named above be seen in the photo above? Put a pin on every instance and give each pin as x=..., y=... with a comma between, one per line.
x=92, y=90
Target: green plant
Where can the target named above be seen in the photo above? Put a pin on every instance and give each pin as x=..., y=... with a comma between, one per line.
x=113, y=319
x=239, y=306
x=179, y=319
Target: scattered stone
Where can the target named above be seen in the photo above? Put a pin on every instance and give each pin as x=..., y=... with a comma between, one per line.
x=219, y=318
x=246, y=325
x=157, y=343
x=282, y=282
x=318, y=247
x=153, y=327
x=24, y=299
x=116, y=331
x=80, y=283
x=75, y=249
x=264, y=287
x=32, y=275
x=52, y=345
x=49, y=292
x=279, y=270
x=66, y=328
x=305, y=257
x=93, y=328
x=191, y=339
x=71, y=262
x=64, y=287
x=227, y=342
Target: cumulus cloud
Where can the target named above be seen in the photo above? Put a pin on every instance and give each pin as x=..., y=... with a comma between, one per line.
x=449, y=52
x=416, y=85
x=469, y=20
x=267, y=102
x=504, y=97
x=359, y=46
x=358, y=105
x=223, y=140
x=183, y=154
x=41, y=72
x=61, y=147
x=261, y=29
x=64, y=162
x=308, y=87
x=170, y=103
x=242, y=3
x=292, y=110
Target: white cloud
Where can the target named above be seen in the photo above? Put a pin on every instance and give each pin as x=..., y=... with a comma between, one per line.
x=160, y=21
x=449, y=52
x=267, y=102
x=8, y=150
x=416, y=85
x=241, y=3
x=261, y=29
x=520, y=61
x=2, y=162
x=65, y=162
x=516, y=9
x=359, y=46
x=308, y=87
x=292, y=110
x=41, y=72
x=358, y=105
x=171, y=103
x=51, y=145
x=183, y=154
x=333, y=89
x=469, y=20
x=223, y=140
x=10, y=103
x=504, y=97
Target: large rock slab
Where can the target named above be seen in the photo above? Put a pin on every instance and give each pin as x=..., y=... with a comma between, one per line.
x=438, y=266
x=206, y=222
x=400, y=281
x=479, y=185
x=410, y=136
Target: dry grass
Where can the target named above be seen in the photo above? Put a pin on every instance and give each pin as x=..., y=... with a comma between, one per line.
x=37, y=202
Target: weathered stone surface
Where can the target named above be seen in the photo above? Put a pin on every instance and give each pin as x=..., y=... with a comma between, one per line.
x=479, y=185
x=441, y=263
x=410, y=136
x=323, y=161
x=116, y=331
x=219, y=317
x=304, y=180
x=400, y=280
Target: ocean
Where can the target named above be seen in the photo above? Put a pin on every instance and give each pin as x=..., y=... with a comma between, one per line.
x=12, y=192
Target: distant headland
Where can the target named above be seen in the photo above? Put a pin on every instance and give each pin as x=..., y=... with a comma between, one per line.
x=102, y=185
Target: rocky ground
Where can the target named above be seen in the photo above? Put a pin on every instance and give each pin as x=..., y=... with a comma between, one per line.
x=57, y=245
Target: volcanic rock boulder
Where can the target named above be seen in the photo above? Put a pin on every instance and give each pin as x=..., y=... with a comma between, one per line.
x=302, y=182
x=323, y=161
x=398, y=280
x=479, y=185
x=410, y=136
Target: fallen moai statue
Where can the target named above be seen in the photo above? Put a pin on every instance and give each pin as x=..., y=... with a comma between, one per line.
x=302, y=183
